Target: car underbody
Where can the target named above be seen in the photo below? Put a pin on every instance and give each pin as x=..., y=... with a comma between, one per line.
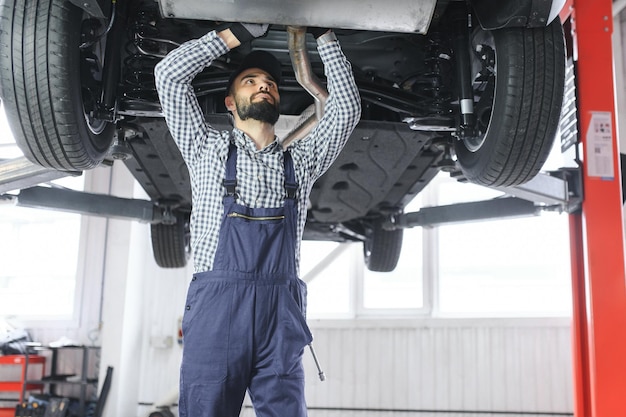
x=454, y=86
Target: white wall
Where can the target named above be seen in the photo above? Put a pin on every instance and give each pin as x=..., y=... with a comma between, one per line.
x=445, y=364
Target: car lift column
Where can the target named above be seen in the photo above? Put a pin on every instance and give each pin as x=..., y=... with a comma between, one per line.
x=596, y=232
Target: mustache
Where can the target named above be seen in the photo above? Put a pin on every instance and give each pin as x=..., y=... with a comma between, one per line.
x=263, y=92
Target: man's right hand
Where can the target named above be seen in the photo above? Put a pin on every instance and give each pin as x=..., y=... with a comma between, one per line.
x=245, y=32
x=317, y=32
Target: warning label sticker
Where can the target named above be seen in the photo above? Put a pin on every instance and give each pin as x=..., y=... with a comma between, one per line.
x=599, y=141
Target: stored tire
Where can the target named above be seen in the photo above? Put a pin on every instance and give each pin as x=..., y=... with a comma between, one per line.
x=381, y=249
x=171, y=243
x=49, y=86
x=519, y=109
x=162, y=413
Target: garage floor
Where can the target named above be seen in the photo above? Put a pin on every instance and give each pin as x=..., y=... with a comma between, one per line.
x=248, y=412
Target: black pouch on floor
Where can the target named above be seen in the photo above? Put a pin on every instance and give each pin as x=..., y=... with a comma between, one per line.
x=21, y=410
x=57, y=407
x=30, y=410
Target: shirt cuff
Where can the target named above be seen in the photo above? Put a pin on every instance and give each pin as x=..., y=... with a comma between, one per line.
x=212, y=38
x=326, y=38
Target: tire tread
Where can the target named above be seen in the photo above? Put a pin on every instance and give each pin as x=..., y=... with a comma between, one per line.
x=39, y=85
x=525, y=118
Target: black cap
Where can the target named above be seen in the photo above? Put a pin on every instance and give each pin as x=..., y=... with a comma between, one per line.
x=258, y=59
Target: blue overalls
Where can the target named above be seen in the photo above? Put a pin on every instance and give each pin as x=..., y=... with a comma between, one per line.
x=244, y=325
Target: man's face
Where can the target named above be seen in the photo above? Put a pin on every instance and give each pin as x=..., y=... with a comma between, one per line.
x=256, y=96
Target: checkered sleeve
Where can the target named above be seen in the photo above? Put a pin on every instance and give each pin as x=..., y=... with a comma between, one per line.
x=341, y=113
x=173, y=76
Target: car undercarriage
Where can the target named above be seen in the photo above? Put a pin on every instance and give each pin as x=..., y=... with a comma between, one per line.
x=470, y=92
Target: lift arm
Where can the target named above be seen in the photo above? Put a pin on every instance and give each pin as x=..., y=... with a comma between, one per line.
x=465, y=212
x=94, y=204
x=555, y=191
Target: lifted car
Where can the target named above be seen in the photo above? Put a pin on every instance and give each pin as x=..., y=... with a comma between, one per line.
x=474, y=88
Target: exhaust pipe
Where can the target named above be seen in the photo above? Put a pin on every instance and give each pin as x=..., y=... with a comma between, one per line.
x=307, y=79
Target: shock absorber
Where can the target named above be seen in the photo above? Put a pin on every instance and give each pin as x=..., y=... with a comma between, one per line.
x=111, y=73
x=463, y=64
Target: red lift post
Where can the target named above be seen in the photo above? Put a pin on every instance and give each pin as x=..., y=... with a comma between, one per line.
x=596, y=233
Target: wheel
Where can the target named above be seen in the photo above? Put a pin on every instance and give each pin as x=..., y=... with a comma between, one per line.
x=50, y=86
x=382, y=248
x=165, y=412
x=520, y=89
x=171, y=243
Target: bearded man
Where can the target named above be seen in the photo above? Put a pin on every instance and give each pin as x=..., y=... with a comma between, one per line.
x=244, y=326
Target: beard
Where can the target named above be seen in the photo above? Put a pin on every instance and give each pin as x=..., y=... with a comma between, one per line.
x=263, y=111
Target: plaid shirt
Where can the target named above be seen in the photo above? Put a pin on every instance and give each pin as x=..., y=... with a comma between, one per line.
x=260, y=173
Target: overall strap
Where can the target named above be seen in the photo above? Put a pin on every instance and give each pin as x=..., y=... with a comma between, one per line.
x=230, y=179
x=291, y=186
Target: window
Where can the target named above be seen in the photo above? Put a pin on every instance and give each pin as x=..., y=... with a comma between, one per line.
x=328, y=268
x=494, y=268
x=509, y=267
x=38, y=252
x=517, y=267
x=340, y=286
x=402, y=288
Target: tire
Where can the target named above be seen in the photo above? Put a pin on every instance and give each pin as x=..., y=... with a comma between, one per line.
x=171, y=245
x=381, y=249
x=49, y=87
x=162, y=413
x=519, y=109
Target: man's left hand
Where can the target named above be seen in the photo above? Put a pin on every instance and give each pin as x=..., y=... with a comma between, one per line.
x=245, y=32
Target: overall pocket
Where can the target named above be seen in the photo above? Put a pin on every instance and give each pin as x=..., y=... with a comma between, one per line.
x=255, y=241
x=206, y=331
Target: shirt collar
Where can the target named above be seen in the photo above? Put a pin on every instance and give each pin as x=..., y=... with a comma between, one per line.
x=245, y=142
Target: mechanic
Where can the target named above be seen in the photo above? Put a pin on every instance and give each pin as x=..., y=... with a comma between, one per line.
x=244, y=326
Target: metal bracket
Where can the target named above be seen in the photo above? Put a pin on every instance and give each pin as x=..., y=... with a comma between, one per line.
x=555, y=191
x=561, y=189
x=95, y=8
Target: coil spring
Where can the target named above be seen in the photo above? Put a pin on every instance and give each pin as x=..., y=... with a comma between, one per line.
x=434, y=82
x=144, y=50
